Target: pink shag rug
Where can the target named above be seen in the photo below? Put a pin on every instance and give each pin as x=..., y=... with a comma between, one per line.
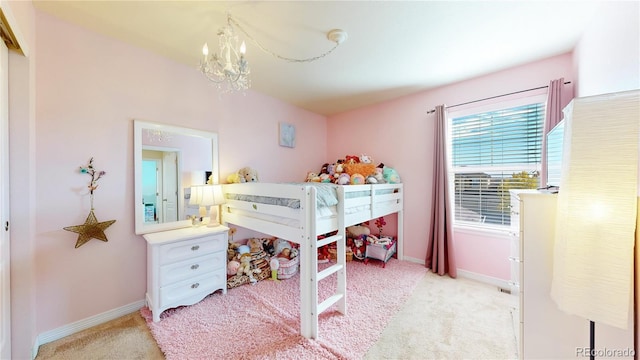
x=262, y=321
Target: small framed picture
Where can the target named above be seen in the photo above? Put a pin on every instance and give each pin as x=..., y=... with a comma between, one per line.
x=287, y=135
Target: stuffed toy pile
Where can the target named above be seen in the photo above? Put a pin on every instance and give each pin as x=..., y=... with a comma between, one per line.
x=252, y=260
x=354, y=170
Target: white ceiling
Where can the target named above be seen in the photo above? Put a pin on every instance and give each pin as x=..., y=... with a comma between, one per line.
x=394, y=48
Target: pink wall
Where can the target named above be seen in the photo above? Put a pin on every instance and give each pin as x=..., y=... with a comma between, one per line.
x=400, y=132
x=89, y=90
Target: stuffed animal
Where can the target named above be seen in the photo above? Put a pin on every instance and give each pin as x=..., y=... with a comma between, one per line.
x=352, y=159
x=235, y=178
x=245, y=268
x=244, y=249
x=357, y=179
x=371, y=179
x=285, y=253
x=245, y=265
x=359, y=248
x=279, y=245
x=331, y=169
x=355, y=231
x=232, y=250
x=255, y=245
x=343, y=179
x=323, y=254
x=312, y=177
x=379, y=176
x=232, y=267
x=390, y=175
x=366, y=159
x=325, y=178
x=249, y=174
x=267, y=246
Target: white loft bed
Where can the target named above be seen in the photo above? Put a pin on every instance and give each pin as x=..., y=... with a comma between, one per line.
x=302, y=225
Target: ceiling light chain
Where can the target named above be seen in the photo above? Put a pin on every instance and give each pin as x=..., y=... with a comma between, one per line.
x=336, y=35
x=230, y=67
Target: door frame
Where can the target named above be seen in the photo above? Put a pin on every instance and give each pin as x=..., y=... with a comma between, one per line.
x=5, y=234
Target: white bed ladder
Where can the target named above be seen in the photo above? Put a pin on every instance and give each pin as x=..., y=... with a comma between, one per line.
x=309, y=318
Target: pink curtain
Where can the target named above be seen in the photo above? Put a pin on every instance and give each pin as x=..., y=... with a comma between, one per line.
x=440, y=255
x=552, y=118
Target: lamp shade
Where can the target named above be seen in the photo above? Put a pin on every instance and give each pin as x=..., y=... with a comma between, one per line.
x=206, y=195
x=195, y=196
x=210, y=195
x=595, y=226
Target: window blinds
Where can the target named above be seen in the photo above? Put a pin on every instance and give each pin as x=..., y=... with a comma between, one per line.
x=493, y=152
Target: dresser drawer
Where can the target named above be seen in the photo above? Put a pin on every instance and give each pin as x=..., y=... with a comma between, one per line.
x=189, y=249
x=201, y=285
x=191, y=268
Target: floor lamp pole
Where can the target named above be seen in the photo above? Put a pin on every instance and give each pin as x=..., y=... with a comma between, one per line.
x=592, y=340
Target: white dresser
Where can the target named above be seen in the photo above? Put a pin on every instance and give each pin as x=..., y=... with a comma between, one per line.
x=184, y=266
x=545, y=332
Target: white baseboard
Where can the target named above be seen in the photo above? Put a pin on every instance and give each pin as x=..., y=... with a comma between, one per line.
x=414, y=260
x=500, y=283
x=70, y=329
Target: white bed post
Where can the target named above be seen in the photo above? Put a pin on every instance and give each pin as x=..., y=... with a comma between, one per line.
x=400, y=241
x=308, y=268
x=342, y=253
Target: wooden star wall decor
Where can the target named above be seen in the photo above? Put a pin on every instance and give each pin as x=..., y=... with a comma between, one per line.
x=91, y=229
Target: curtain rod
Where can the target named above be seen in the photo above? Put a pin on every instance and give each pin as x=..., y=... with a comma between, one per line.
x=494, y=97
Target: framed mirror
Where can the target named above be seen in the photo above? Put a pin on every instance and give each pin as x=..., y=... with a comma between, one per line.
x=168, y=160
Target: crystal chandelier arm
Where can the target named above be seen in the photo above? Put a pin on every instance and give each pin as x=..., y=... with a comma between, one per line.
x=337, y=41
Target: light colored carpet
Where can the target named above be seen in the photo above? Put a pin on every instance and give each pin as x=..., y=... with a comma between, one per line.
x=443, y=319
x=449, y=318
x=125, y=338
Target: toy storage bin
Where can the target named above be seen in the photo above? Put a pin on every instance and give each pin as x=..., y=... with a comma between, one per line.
x=382, y=252
x=288, y=267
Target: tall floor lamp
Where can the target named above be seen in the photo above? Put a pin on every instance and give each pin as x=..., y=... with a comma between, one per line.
x=597, y=206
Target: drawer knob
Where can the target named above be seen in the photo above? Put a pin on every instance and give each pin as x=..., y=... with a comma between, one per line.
x=195, y=286
x=195, y=247
x=193, y=267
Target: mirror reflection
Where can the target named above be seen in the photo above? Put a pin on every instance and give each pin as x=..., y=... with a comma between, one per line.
x=168, y=160
x=160, y=186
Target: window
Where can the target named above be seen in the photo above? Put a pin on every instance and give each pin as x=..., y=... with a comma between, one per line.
x=492, y=153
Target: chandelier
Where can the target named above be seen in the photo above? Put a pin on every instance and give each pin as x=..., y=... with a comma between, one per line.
x=229, y=69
